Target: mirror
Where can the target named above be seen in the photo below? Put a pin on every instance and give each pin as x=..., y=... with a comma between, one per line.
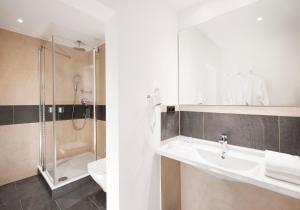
x=249, y=56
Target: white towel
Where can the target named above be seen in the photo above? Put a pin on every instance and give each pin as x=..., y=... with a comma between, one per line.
x=282, y=166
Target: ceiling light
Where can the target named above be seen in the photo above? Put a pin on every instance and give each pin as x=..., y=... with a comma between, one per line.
x=259, y=19
x=20, y=20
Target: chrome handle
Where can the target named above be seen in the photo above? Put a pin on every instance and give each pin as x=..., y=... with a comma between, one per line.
x=61, y=110
x=223, y=137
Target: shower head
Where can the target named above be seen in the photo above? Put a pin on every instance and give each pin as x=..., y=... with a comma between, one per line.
x=76, y=81
x=79, y=48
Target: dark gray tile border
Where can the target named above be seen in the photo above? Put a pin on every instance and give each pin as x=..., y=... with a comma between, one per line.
x=169, y=125
x=290, y=135
x=191, y=124
x=6, y=115
x=252, y=131
x=101, y=112
x=20, y=114
x=26, y=114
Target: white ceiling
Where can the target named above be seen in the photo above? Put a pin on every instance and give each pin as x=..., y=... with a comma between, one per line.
x=69, y=20
x=180, y=5
x=241, y=28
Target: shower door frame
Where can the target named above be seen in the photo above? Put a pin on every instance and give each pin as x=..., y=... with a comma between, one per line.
x=42, y=107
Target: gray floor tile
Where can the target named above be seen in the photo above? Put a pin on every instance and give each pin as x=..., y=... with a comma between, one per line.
x=74, y=197
x=31, y=187
x=12, y=205
x=84, y=204
x=99, y=199
x=6, y=192
x=39, y=203
x=32, y=194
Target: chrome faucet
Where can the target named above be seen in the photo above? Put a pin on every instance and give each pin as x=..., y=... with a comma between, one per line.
x=223, y=142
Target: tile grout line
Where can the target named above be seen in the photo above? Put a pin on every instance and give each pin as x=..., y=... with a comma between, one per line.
x=21, y=204
x=179, y=123
x=279, y=139
x=13, y=114
x=203, y=125
x=57, y=205
x=94, y=203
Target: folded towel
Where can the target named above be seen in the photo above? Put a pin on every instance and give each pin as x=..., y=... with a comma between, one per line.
x=283, y=177
x=282, y=166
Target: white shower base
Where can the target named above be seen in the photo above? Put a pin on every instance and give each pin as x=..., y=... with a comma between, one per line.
x=73, y=168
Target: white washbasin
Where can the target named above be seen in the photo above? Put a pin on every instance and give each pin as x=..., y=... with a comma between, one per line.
x=240, y=164
x=230, y=162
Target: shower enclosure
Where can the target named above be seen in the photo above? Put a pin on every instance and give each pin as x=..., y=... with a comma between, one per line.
x=68, y=134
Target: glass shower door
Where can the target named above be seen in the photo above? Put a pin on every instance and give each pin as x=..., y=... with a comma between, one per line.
x=67, y=111
x=47, y=141
x=74, y=99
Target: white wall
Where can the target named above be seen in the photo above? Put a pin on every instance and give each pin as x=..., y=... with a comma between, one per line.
x=208, y=10
x=142, y=55
x=112, y=114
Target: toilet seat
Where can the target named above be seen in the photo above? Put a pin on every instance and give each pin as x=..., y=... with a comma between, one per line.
x=97, y=170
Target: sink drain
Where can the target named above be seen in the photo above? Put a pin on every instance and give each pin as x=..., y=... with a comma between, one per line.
x=63, y=178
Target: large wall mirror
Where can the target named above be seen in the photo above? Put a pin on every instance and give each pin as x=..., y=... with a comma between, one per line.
x=249, y=56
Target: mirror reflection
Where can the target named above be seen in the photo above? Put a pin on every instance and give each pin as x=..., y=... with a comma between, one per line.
x=250, y=56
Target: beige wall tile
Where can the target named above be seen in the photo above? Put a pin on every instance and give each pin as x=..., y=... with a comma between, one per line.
x=72, y=142
x=18, y=68
x=19, y=149
x=19, y=81
x=201, y=191
x=101, y=76
x=100, y=64
x=101, y=139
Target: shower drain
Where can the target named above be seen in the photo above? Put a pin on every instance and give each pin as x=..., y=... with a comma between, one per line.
x=63, y=178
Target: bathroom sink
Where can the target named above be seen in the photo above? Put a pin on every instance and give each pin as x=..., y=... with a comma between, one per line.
x=240, y=164
x=230, y=162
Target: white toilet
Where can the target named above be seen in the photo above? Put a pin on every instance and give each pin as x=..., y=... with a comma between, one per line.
x=97, y=170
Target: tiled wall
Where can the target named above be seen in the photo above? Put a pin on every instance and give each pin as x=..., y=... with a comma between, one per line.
x=19, y=94
x=18, y=114
x=254, y=131
x=169, y=125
